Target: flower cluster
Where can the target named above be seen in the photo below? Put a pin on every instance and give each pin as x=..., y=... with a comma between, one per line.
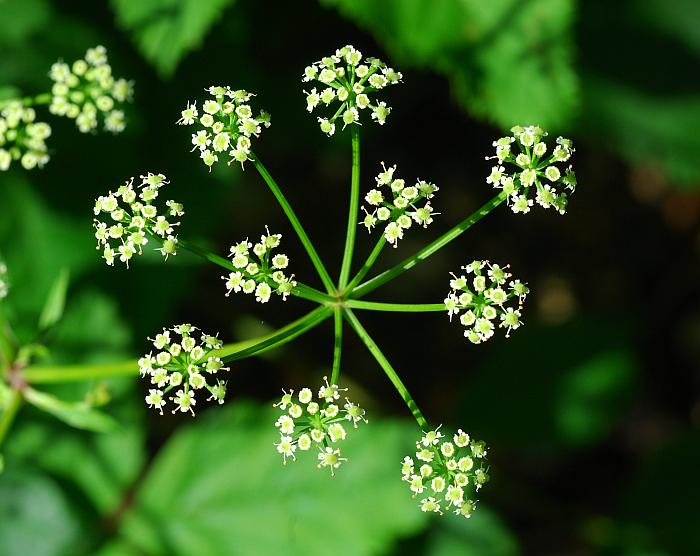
x=128, y=229
x=346, y=78
x=87, y=92
x=305, y=423
x=21, y=137
x=227, y=123
x=398, y=211
x=443, y=471
x=484, y=299
x=4, y=286
x=262, y=274
x=181, y=366
x=546, y=173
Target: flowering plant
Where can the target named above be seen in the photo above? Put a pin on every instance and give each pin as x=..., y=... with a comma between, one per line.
x=446, y=470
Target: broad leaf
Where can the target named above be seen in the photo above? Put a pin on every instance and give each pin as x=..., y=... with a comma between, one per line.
x=232, y=494
x=166, y=30
x=55, y=302
x=76, y=414
x=508, y=61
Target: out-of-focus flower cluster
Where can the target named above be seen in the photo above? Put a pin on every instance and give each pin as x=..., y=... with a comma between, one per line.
x=480, y=300
x=345, y=78
x=398, y=210
x=226, y=124
x=180, y=367
x=524, y=164
x=22, y=137
x=4, y=286
x=87, y=92
x=131, y=216
x=444, y=471
x=260, y=272
x=307, y=422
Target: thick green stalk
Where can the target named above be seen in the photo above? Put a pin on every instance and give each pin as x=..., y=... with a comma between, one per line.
x=428, y=250
x=395, y=307
x=388, y=369
x=8, y=415
x=300, y=290
x=337, y=344
x=230, y=352
x=368, y=263
x=354, y=208
x=298, y=228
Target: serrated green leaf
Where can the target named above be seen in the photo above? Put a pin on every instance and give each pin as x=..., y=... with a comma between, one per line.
x=55, y=301
x=76, y=414
x=234, y=496
x=166, y=30
x=508, y=61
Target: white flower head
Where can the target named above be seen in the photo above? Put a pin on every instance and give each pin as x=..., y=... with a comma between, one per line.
x=452, y=470
x=225, y=125
x=259, y=270
x=87, y=92
x=485, y=301
x=182, y=361
x=524, y=166
x=128, y=219
x=351, y=80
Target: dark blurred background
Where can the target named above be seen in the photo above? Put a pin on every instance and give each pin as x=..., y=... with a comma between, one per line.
x=591, y=410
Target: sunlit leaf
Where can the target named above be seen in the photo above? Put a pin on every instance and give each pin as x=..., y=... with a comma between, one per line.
x=234, y=496
x=76, y=414
x=166, y=30
x=509, y=61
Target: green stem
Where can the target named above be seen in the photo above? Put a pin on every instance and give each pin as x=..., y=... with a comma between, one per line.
x=44, y=98
x=368, y=263
x=230, y=352
x=8, y=416
x=354, y=208
x=428, y=250
x=337, y=344
x=283, y=335
x=395, y=307
x=69, y=373
x=300, y=290
x=388, y=369
x=298, y=228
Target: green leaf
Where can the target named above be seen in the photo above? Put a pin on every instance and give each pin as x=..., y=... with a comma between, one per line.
x=35, y=517
x=646, y=128
x=21, y=19
x=76, y=414
x=484, y=534
x=166, y=30
x=565, y=385
x=55, y=302
x=508, y=62
x=234, y=496
x=37, y=242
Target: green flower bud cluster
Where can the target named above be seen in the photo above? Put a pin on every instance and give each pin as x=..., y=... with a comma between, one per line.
x=483, y=300
x=227, y=123
x=446, y=471
x=398, y=211
x=127, y=230
x=87, y=92
x=22, y=138
x=526, y=150
x=4, y=286
x=345, y=78
x=306, y=423
x=262, y=272
x=181, y=367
